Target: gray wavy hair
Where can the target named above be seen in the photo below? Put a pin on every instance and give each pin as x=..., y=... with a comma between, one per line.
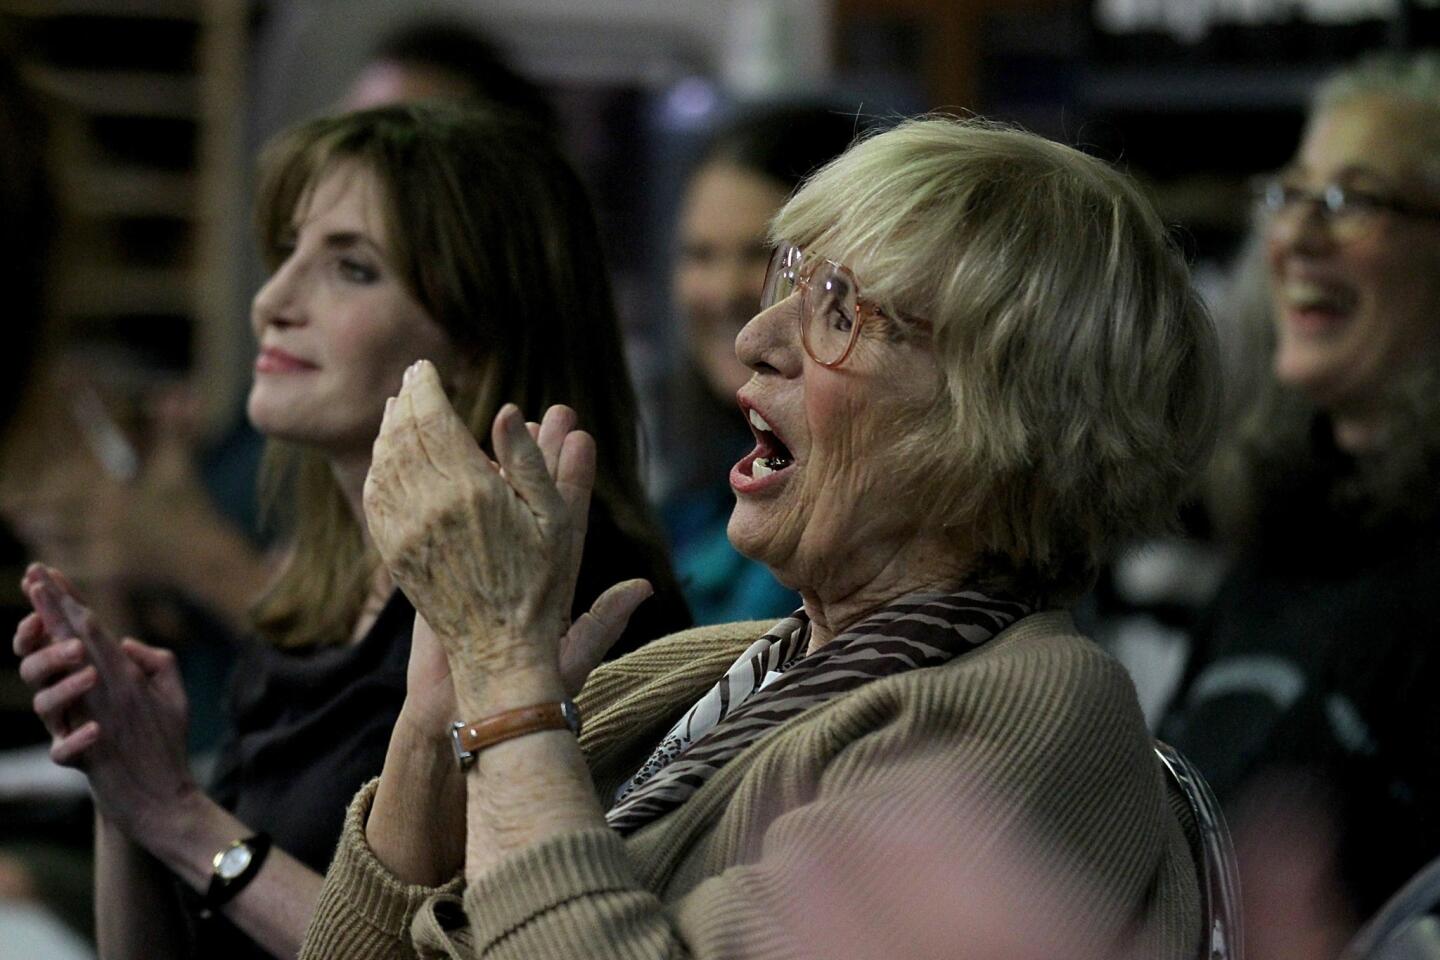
x=1270, y=440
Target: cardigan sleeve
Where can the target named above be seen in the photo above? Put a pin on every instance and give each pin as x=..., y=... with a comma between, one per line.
x=1022, y=806
x=364, y=911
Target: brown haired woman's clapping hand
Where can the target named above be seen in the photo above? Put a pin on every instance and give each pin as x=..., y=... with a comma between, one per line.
x=115, y=709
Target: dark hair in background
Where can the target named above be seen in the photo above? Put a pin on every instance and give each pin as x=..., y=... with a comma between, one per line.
x=25, y=229
x=783, y=143
x=460, y=51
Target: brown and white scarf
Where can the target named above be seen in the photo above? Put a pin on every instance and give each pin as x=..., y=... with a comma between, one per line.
x=773, y=681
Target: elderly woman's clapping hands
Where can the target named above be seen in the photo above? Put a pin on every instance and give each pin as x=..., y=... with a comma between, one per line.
x=488, y=550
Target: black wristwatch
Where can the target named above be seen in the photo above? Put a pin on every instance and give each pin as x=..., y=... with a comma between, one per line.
x=235, y=866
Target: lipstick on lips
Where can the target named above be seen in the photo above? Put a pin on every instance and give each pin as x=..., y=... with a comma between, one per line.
x=275, y=360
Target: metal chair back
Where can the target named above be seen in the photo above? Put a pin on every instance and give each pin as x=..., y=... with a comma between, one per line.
x=1214, y=856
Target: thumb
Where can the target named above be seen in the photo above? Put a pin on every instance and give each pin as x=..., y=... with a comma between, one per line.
x=160, y=668
x=592, y=635
x=150, y=660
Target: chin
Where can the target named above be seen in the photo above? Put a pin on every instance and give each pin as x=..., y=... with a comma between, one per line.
x=750, y=536
x=1303, y=368
x=755, y=537
x=742, y=537
x=258, y=412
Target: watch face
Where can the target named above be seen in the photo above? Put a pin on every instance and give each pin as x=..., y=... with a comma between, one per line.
x=233, y=861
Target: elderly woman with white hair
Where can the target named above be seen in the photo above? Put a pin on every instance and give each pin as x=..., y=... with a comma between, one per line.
x=978, y=366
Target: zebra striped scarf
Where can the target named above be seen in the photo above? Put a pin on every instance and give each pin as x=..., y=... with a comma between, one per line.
x=773, y=681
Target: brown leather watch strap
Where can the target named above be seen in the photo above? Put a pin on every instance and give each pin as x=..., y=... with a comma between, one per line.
x=470, y=738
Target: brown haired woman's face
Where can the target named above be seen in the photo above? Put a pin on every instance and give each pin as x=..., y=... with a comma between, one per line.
x=1356, y=298
x=336, y=325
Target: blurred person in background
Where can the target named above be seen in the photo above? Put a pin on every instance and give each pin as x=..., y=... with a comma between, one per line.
x=433, y=230
x=449, y=60
x=44, y=843
x=1310, y=695
x=745, y=173
x=954, y=421
x=25, y=243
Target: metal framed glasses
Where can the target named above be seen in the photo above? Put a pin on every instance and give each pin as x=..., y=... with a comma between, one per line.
x=832, y=311
x=1346, y=209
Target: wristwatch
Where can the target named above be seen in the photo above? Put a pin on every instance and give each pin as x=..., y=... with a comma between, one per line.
x=235, y=866
x=469, y=739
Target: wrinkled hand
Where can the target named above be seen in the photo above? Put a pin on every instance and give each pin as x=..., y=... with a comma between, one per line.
x=430, y=702
x=117, y=711
x=488, y=551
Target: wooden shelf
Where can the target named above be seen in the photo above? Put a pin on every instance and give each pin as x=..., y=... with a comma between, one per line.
x=96, y=191
x=146, y=155
x=124, y=291
x=118, y=94
x=184, y=10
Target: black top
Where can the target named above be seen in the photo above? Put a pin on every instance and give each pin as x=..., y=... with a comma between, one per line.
x=311, y=726
x=308, y=729
x=1318, y=663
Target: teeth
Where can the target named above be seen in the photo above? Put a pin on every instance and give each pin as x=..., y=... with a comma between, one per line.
x=760, y=469
x=1305, y=295
x=758, y=422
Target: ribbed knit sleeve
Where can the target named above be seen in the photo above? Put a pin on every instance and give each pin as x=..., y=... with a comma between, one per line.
x=536, y=903
x=1008, y=801
x=364, y=911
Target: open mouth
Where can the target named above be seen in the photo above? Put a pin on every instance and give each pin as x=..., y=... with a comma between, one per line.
x=1307, y=299
x=770, y=454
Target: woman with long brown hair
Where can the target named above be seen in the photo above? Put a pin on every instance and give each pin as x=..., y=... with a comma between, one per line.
x=392, y=234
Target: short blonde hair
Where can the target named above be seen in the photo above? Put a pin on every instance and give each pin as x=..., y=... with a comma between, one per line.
x=1080, y=369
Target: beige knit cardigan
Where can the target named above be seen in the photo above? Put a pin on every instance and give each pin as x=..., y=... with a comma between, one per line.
x=1031, y=746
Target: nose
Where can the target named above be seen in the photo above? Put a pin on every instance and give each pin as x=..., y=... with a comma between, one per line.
x=276, y=303
x=1304, y=228
x=770, y=342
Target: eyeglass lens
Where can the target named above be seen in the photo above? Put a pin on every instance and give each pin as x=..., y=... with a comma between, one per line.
x=1333, y=198
x=830, y=306
x=1343, y=207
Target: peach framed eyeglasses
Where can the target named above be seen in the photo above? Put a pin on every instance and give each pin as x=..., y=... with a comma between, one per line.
x=832, y=310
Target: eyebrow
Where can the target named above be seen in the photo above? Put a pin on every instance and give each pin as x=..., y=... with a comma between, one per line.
x=336, y=239
x=1348, y=172
x=348, y=240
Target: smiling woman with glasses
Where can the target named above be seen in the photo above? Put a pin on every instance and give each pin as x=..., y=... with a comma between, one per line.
x=955, y=419
x=1310, y=693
